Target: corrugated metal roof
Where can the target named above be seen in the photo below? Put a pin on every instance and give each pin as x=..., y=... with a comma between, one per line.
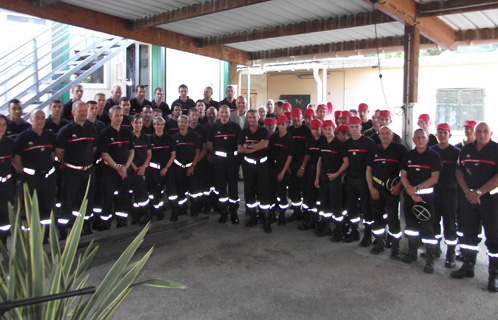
x=472, y=20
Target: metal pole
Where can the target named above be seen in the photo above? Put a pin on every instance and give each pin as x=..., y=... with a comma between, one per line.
x=35, y=69
x=249, y=89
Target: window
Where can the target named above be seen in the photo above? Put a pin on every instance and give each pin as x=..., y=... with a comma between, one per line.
x=455, y=106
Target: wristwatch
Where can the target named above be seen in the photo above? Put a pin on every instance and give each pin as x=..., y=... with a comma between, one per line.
x=479, y=192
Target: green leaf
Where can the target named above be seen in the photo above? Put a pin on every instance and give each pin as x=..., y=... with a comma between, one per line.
x=159, y=283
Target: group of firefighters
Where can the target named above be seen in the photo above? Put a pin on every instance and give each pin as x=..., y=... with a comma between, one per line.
x=128, y=156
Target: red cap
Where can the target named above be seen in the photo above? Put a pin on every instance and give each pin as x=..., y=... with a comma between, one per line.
x=309, y=113
x=385, y=114
x=315, y=124
x=282, y=119
x=444, y=126
x=321, y=106
x=346, y=113
x=337, y=113
x=270, y=121
x=424, y=117
x=354, y=120
x=296, y=112
x=287, y=105
x=362, y=107
x=470, y=123
x=328, y=123
x=330, y=108
x=287, y=114
x=342, y=127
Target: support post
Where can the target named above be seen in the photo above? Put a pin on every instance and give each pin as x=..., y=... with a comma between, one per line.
x=410, y=80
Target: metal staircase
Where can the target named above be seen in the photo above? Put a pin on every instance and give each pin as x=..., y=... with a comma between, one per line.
x=47, y=66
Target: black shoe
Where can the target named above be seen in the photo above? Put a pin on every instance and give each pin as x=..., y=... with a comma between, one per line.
x=408, y=258
x=86, y=229
x=234, y=217
x=395, y=255
x=365, y=242
x=336, y=237
x=465, y=271
x=304, y=226
x=252, y=221
x=377, y=249
x=429, y=266
x=160, y=216
x=121, y=223
x=223, y=218
x=105, y=225
x=388, y=242
x=351, y=236
x=267, y=227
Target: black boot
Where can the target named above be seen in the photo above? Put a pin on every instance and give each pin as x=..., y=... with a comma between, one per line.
x=281, y=217
x=121, y=222
x=306, y=221
x=337, y=233
x=323, y=229
x=353, y=235
x=429, y=262
x=467, y=268
x=378, y=244
x=314, y=220
x=253, y=220
x=233, y=216
x=295, y=214
x=389, y=240
x=411, y=255
x=194, y=208
x=493, y=275
x=174, y=212
x=224, y=215
x=87, y=229
x=367, y=236
x=437, y=253
x=266, y=217
x=450, y=257
x=395, y=249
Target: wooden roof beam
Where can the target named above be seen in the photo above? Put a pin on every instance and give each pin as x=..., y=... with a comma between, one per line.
x=431, y=27
x=193, y=11
x=44, y=3
x=81, y=17
x=469, y=37
x=344, y=22
x=439, y=8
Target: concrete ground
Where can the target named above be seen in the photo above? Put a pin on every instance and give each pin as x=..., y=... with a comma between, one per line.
x=233, y=272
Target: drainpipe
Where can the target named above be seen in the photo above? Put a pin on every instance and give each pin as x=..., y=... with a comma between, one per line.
x=324, y=85
x=316, y=75
x=248, y=90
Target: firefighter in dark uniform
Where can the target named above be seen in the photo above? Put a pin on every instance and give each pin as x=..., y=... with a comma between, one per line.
x=171, y=125
x=424, y=122
x=310, y=200
x=16, y=124
x=116, y=145
x=446, y=194
x=54, y=123
x=183, y=100
x=332, y=163
x=420, y=170
x=137, y=103
x=300, y=133
x=75, y=147
x=383, y=167
x=477, y=175
x=358, y=148
x=202, y=167
x=34, y=162
x=124, y=104
x=281, y=150
x=229, y=100
x=222, y=142
x=384, y=119
x=7, y=181
x=159, y=173
x=253, y=148
x=188, y=148
x=210, y=199
x=141, y=159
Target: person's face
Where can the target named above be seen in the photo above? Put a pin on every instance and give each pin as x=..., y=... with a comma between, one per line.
x=328, y=131
x=140, y=93
x=116, y=94
x=363, y=115
x=15, y=111
x=262, y=113
x=355, y=129
x=343, y=120
x=278, y=110
x=156, y=114
x=125, y=105
x=3, y=127
x=285, y=109
x=183, y=92
x=159, y=127
x=100, y=102
x=208, y=92
x=158, y=95
x=341, y=135
x=320, y=113
x=316, y=132
x=116, y=117
x=92, y=110
x=375, y=119
x=269, y=106
x=211, y=114
x=296, y=120
x=469, y=132
x=252, y=119
x=137, y=125
x=80, y=112
x=270, y=128
x=183, y=124
x=307, y=121
x=483, y=134
x=147, y=114
x=229, y=92
x=443, y=136
x=200, y=106
x=384, y=121
x=38, y=120
x=282, y=127
x=424, y=125
x=386, y=135
x=56, y=109
x=223, y=114
x=177, y=111
x=193, y=116
x=241, y=105
x=420, y=139
x=77, y=93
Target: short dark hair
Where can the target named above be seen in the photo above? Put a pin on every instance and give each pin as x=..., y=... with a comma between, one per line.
x=139, y=86
x=123, y=99
x=182, y=86
x=16, y=101
x=136, y=117
x=91, y=102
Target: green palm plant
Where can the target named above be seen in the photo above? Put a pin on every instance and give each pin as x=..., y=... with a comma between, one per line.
x=27, y=271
